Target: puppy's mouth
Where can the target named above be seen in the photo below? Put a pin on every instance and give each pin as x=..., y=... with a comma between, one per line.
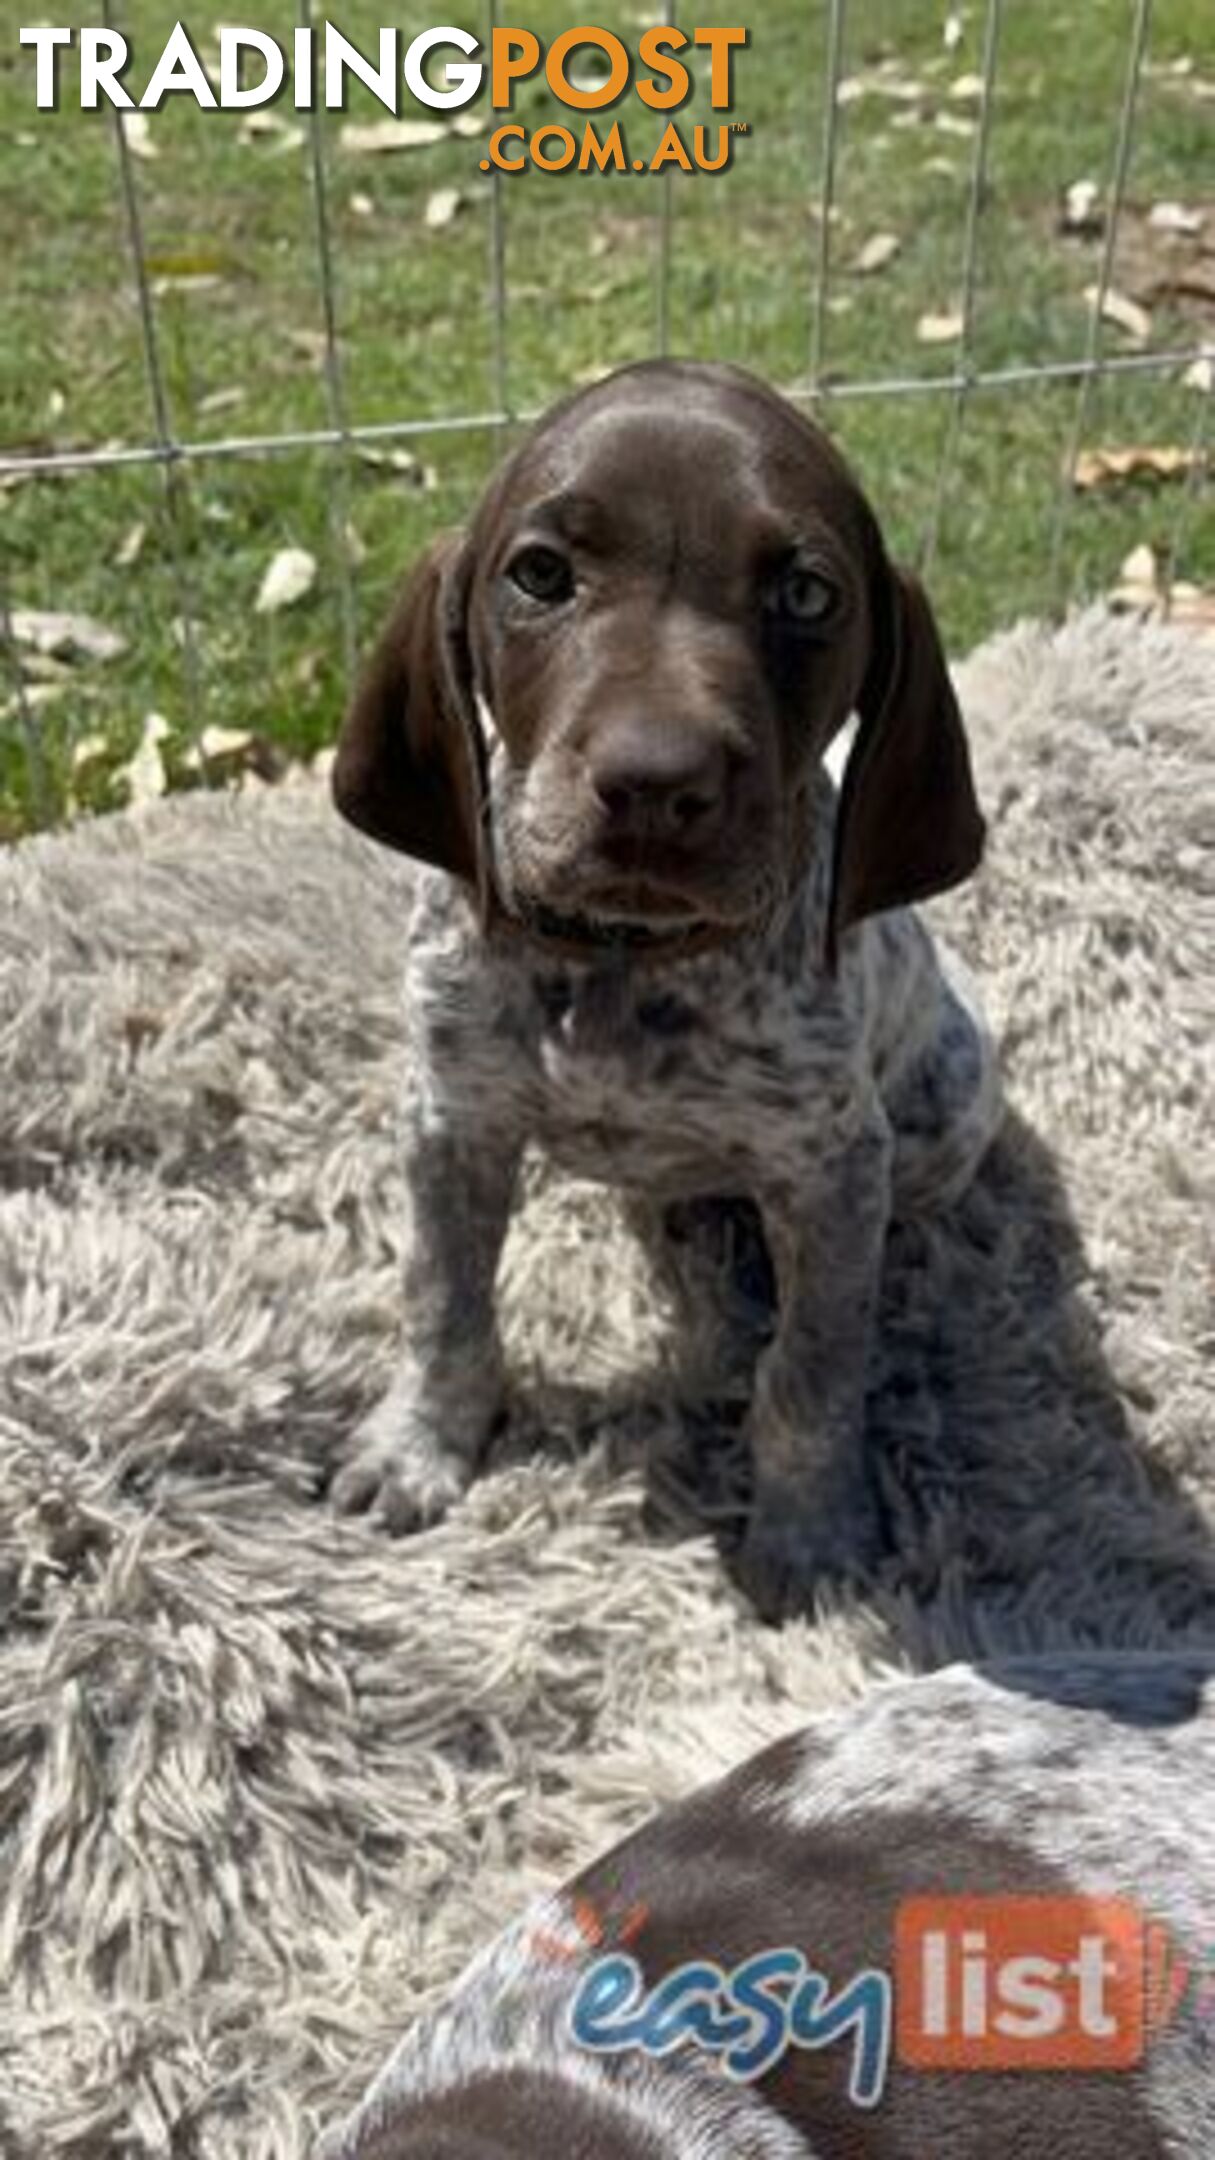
x=636, y=925
x=639, y=907
x=633, y=918
x=608, y=933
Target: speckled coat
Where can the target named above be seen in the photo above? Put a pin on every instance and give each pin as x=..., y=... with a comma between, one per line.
x=1074, y=1779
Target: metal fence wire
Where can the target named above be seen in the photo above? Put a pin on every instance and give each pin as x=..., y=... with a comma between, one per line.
x=173, y=454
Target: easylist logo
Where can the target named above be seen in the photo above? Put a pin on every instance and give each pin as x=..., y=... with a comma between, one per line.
x=1020, y=1983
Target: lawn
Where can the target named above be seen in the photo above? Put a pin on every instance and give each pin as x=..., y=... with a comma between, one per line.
x=230, y=247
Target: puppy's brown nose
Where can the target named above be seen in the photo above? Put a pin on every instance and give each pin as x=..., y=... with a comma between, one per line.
x=655, y=783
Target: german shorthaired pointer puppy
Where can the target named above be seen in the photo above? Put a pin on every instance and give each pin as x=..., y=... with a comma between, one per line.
x=743, y=1980
x=652, y=938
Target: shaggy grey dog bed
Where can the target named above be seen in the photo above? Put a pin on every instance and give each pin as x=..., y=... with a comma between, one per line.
x=266, y=1778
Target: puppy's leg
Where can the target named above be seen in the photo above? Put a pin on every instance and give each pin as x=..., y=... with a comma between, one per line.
x=419, y=1448
x=815, y=1512
x=711, y=1257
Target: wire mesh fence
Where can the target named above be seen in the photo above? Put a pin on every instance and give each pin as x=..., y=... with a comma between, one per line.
x=686, y=312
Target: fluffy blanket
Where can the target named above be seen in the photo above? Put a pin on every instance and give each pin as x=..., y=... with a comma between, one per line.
x=265, y=1777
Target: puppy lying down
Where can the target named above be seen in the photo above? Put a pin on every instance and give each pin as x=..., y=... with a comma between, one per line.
x=745, y=1979
x=650, y=936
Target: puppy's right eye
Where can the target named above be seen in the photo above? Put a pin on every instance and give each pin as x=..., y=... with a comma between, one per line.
x=542, y=574
x=801, y=596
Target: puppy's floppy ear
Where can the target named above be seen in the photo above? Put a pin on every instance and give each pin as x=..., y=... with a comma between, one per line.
x=408, y=769
x=908, y=824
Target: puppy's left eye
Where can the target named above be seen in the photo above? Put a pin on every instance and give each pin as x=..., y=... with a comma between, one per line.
x=542, y=574
x=801, y=596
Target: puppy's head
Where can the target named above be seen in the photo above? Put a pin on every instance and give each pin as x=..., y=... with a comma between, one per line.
x=603, y=704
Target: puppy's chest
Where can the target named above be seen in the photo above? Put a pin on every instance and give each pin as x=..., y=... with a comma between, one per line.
x=651, y=1085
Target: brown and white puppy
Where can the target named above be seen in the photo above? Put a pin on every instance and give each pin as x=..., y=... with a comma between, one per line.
x=1084, y=1782
x=652, y=939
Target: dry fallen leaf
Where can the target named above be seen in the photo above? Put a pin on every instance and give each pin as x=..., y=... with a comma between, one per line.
x=967, y=86
x=190, y=270
x=190, y=262
x=308, y=669
x=65, y=637
x=138, y=131
x=879, y=250
x=1138, y=585
x=206, y=281
x=1141, y=589
x=1200, y=374
x=32, y=699
x=1139, y=567
x=42, y=668
x=441, y=207
x=1139, y=461
x=218, y=401
x=468, y=126
x=938, y=329
x=309, y=345
x=127, y=554
x=145, y=773
x=288, y=578
x=1175, y=217
x=230, y=753
x=401, y=462
x=1126, y=313
x=1192, y=607
x=1082, y=211
x=951, y=36
x=270, y=127
x=903, y=89
x=89, y=751
x=1195, y=282
x=947, y=123
x=378, y=136
x=361, y=205
x=223, y=742
x=260, y=123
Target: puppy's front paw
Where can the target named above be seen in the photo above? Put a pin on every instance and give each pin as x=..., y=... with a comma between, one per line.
x=796, y=1541
x=417, y=1452
x=399, y=1472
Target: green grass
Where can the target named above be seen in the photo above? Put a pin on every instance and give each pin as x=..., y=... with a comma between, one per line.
x=582, y=257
